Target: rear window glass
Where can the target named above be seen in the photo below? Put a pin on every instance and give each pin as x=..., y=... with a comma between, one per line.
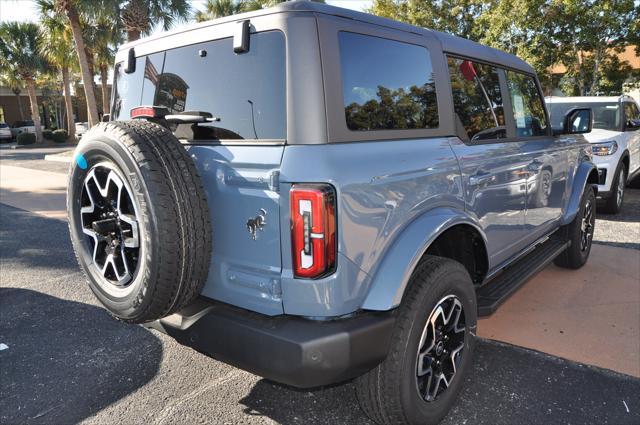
x=528, y=108
x=477, y=99
x=387, y=85
x=244, y=93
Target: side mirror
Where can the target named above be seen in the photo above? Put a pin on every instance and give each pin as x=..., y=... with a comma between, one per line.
x=578, y=121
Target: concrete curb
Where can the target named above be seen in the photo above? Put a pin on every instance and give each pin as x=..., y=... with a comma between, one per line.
x=42, y=146
x=59, y=157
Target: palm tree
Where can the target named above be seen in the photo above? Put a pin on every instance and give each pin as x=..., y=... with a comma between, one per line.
x=20, y=52
x=218, y=8
x=70, y=9
x=263, y=4
x=140, y=16
x=57, y=44
x=9, y=79
x=103, y=35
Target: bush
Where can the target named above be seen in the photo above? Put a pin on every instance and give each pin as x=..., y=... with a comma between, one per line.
x=60, y=136
x=47, y=134
x=26, y=139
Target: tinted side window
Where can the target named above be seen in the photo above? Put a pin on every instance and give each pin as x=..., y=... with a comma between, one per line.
x=528, y=108
x=631, y=111
x=477, y=99
x=244, y=93
x=387, y=84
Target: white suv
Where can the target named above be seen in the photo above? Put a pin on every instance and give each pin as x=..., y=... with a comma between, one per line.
x=615, y=141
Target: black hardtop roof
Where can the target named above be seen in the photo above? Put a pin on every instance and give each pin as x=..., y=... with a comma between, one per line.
x=450, y=43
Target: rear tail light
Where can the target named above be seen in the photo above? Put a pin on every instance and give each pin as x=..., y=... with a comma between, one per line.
x=313, y=230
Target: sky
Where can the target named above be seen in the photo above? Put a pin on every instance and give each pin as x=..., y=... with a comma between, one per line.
x=25, y=10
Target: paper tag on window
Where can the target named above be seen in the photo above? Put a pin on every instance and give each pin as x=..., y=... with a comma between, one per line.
x=518, y=105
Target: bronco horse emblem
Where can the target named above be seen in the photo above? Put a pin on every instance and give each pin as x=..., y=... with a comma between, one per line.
x=256, y=223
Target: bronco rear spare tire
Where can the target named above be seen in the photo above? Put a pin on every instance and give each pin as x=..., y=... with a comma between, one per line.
x=138, y=219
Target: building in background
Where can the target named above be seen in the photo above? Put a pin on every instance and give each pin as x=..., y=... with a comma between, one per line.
x=16, y=107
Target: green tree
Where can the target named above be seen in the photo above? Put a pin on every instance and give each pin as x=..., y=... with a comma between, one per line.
x=453, y=16
x=218, y=8
x=589, y=33
x=8, y=78
x=529, y=34
x=20, y=53
x=583, y=35
x=57, y=45
x=103, y=36
x=72, y=10
x=138, y=17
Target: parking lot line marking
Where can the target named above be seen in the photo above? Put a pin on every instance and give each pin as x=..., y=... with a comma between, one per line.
x=166, y=413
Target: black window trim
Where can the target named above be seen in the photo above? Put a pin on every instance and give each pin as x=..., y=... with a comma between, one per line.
x=225, y=142
x=509, y=119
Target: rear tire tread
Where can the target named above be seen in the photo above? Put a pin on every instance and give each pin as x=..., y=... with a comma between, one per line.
x=377, y=390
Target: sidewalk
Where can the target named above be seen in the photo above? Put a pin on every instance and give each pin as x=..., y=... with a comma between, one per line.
x=41, y=192
x=591, y=315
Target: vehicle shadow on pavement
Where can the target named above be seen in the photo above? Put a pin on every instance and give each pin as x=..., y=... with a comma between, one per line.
x=34, y=242
x=67, y=360
x=507, y=385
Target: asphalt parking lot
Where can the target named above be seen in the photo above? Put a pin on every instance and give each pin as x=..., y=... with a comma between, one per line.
x=68, y=361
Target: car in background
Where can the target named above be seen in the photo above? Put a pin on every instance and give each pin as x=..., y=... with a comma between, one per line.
x=5, y=132
x=23, y=126
x=615, y=140
x=81, y=128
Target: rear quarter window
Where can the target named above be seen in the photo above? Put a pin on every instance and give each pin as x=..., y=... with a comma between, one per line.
x=387, y=84
x=246, y=92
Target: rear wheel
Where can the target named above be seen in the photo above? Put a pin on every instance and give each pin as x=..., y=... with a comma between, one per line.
x=431, y=348
x=580, y=233
x=138, y=220
x=613, y=203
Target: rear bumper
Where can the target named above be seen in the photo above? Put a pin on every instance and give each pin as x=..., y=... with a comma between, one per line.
x=287, y=349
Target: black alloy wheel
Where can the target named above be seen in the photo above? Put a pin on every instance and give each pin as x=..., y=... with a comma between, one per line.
x=110, y=219
x=440, y=348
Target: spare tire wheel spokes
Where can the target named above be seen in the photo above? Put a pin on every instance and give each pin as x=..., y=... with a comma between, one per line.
x=110, y=220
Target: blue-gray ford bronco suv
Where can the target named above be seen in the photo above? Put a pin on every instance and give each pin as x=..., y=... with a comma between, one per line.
x=317, y=195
